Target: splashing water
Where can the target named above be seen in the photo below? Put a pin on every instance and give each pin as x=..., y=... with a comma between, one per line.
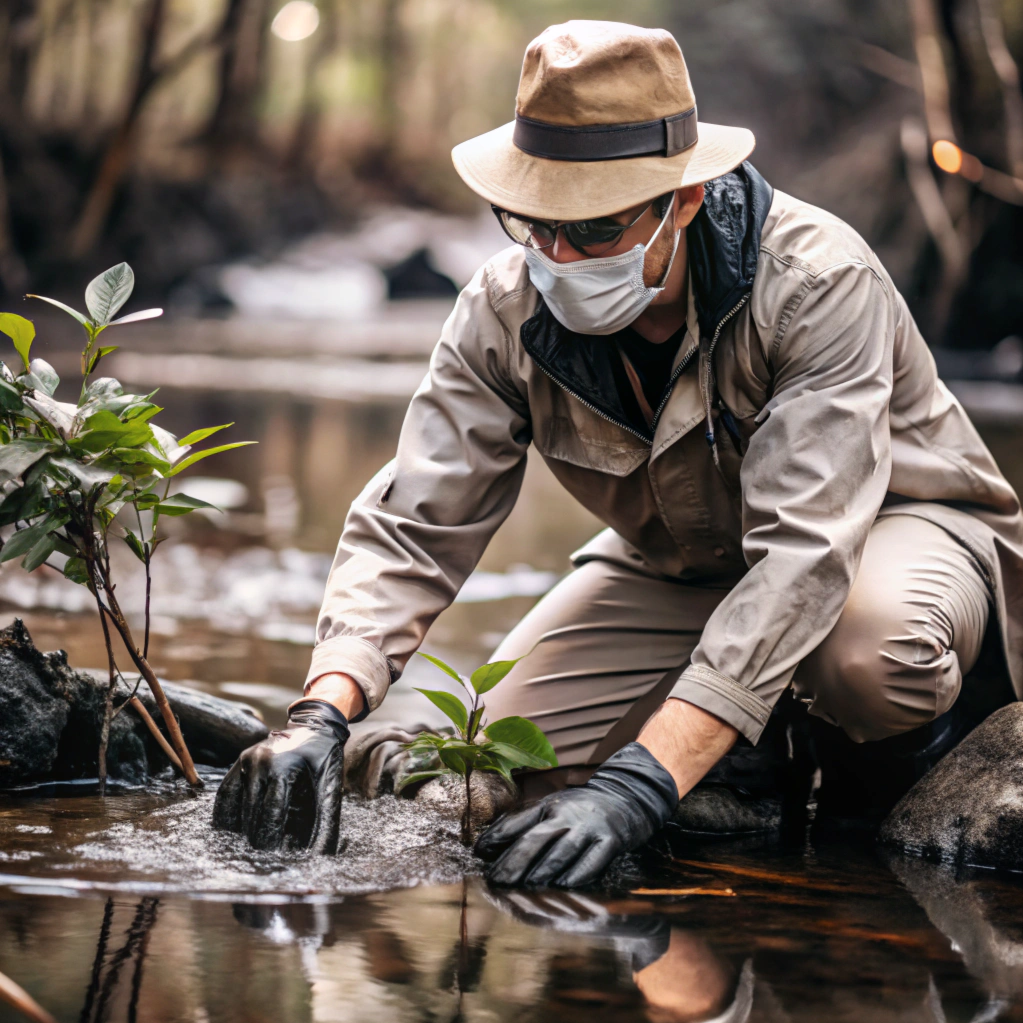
x=390, y=843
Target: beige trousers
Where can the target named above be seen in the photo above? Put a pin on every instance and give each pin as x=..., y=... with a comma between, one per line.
x=607, y=636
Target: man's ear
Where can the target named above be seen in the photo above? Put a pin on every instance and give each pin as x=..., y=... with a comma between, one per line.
x=687, y=204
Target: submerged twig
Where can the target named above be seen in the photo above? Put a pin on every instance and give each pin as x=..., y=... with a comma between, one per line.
x=727, y=892
x=15, y=995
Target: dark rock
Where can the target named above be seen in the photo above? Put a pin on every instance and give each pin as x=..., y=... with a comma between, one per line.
x=35, y=699
x=215, y=730
x=51, y=715
x=968, y=809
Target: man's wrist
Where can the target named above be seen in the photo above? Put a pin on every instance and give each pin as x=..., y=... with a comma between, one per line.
x=687, y=741
x=339, y=690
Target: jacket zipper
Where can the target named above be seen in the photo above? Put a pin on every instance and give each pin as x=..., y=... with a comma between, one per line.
x=679, y=370
x=710, y=363
x=593, y=408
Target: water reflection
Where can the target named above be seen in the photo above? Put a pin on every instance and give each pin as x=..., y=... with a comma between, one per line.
x=803, y=941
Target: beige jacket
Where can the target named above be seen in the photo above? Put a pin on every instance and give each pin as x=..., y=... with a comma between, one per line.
x=826, y=409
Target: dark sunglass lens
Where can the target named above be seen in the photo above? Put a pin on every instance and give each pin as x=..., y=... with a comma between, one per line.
x=594, y=232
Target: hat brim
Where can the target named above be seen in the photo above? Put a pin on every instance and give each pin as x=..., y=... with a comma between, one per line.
x=495, y=168
x=559, y=189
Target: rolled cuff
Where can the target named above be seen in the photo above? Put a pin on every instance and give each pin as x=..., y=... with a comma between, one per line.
x=724, y=698
x=353, y=656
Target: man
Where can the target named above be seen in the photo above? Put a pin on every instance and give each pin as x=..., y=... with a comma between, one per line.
x=729, y=379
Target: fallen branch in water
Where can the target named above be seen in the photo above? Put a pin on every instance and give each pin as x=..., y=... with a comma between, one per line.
x=16, y=995
x=728, y=892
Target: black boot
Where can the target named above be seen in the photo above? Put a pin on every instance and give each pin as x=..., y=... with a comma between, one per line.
x=753, y=789
x=861, y=782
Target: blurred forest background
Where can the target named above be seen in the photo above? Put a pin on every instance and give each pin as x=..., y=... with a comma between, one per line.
x=184, y=134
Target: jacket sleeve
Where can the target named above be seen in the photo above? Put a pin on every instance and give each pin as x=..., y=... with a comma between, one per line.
x=813, y=479
x=420, y=526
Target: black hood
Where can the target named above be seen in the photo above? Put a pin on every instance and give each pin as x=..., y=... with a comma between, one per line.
x=723, y=243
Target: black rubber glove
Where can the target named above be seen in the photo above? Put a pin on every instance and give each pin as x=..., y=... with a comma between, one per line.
x=568, y=838
x=289, y=787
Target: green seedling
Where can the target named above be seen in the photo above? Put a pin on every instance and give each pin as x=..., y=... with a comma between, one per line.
x=501, y=746
x=76, y=477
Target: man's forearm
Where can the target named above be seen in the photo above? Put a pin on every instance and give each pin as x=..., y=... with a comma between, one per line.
x=340, y=690
x=687, y=741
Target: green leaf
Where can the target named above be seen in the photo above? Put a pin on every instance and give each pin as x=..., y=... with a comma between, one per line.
x=446, y=668
x=497, y=764
x=487, y=676
x=39, y=553
x=459, y=758
x=23, y=503
x=21, y=454
x=108, y=292
x=200, y=435
x=42, y=376
x=139, y=456
x=135, y=545
x=64, y=547
x=99, y=353
x=517, y=757
x=145, y=314
x=450, y=704
x=104, y=430
x=524, y=735
x=10, y=397
x=21, y=331
x=200, y=455
x=182, y=504
x=412, y=779
x=60, y=305
x=474, y=723
x=86, y=473
x=24, y=540
x=75, y=570
x=142, y=412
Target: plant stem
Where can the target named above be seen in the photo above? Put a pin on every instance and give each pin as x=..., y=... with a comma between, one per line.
x=140, y=708
x=467, y=815
x=144, y=669
x=108, y=705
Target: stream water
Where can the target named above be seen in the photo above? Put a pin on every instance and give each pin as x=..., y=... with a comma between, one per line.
x=133, y=908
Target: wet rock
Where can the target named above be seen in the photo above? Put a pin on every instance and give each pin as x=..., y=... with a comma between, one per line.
x=216, y=731
x=968, y=809
x=51, y=715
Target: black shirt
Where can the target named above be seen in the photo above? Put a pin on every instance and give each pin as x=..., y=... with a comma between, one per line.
x=652, y=363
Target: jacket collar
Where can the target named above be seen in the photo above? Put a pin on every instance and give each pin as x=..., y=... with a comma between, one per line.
x=723, y=244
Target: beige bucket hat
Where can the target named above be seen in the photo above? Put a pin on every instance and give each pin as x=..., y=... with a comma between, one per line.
x=605, y=118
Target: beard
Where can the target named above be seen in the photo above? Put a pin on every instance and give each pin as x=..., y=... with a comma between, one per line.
x=658, y=258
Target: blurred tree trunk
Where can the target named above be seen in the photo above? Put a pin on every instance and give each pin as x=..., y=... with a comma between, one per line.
x=117, y=158
x=234, y=124
x=17, y=23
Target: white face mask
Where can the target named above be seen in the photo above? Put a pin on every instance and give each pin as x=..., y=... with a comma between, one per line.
x=598, y=296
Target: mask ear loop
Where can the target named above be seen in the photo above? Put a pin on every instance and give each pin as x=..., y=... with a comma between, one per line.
x=659, y=286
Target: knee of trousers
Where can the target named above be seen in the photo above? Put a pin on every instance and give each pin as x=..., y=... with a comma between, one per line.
x=875, y=684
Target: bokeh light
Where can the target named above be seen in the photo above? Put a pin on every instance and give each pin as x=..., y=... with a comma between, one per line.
x=947, y=155
x=295, y=21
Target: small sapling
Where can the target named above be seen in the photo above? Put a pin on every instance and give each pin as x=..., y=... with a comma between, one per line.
x=500, y=746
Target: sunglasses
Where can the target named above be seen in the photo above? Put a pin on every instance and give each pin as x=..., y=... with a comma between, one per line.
x=591, y=237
